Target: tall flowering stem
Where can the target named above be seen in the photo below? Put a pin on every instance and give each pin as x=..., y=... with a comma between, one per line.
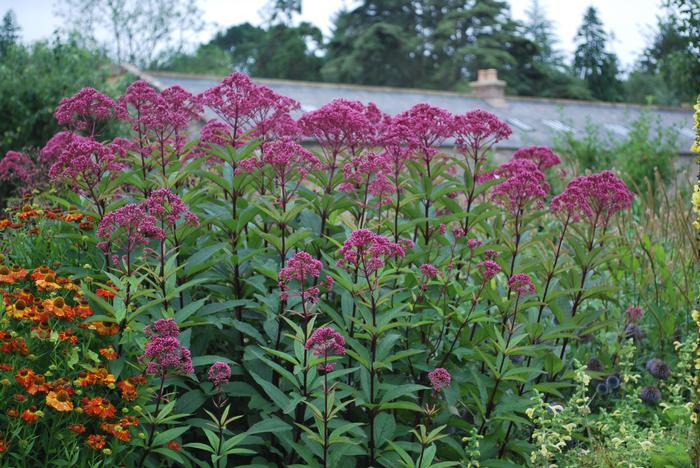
x=593, y=199
x=160, y=120
x=476, y=132
x=367, y=252
x=247, y=110
x=521, y=285
x=341, y=127
x=163, y=355
x=489, y=269
x=326, y=342
x=168, y=208
x=122, y=232
x=427, y=127
x=695, y=415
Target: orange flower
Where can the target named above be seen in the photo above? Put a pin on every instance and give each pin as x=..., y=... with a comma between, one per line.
x=68, y=335
x=105, y=293
x=38, y=385
x=12, y=412
x=117, y=431
x=25, y=377
x=96, y=441
x=127, y=389
x=4, y=445
x=73, y=217
x=18, y=310
x=100, y=407
x=60, y=400
x=5, y=367
x=58, y=308
x=105, y=328
x=6, y=276
x=83, y=310
x=77, y=428
x=18, y=273
x=109, y=353
x=42, y=272
x=48, y=283
x=31, y=415
x=4, y=224
x=174, y=446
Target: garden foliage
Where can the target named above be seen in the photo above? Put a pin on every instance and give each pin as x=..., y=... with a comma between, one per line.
x=237, y=299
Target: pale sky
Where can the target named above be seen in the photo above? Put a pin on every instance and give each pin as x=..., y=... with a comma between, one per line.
x=629, y=24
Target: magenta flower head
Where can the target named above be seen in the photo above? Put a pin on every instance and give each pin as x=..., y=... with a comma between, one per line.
x=426, y=127
x=429, y=270
x=168, y=208
x=543, y=156
x=488, y=269
x=163, y=352
x=289, y=161
x=440, y=378
x=473, y=243
x=83, y=162
x=17, y=166
x=521, y=284
x=367, y=251
x=54, y=147
x=342, y=125
x=326, y=342
x=127, y=227
x=524, y=184
x=595, y=198
x=84, y=109
x=634, y=313
x=219, y=374
x=247, y=107
x=303, y=267
x=477, y=131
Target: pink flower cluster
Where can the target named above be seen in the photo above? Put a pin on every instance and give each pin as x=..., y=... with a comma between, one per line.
x=168, y=208
x=596, y=198
x=634, y=313
x=54, y=147
x=247, y=107
x=289, y=162
x=366, y=173
x=83, y=161
x=162, y=113
x=17, y=166
x=543, y=156
x=367, y=251
x=488, y=269
x=521, y=284
x=84, y=109
x=302, y=267
x=424, y=127
x=326, y=342
x=343, y=125
x=219, y=374
x=429, y=270
x=163, y=352
x=524, y=184
x=477, y=131
x=440, y=378
x=128, y=227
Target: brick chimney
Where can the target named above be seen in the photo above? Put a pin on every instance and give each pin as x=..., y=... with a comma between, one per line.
x=489, y=88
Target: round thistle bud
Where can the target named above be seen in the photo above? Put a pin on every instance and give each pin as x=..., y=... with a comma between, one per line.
x=633, y=331
x=594, y=365
x=658, y=368
x=613, y=381
x=601, y=389
x=650, y=395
